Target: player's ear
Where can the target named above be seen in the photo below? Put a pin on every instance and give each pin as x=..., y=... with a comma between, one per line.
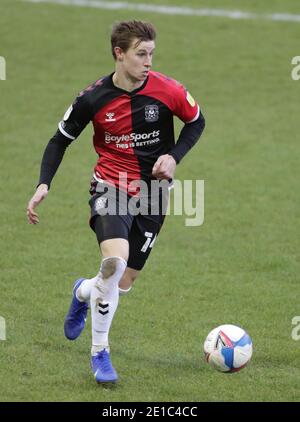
x=119, y=53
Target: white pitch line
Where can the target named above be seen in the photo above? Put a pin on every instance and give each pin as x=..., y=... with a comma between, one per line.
x=173, y=10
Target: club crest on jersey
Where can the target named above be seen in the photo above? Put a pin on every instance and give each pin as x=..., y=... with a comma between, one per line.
x=151, y=113
x=110, y=117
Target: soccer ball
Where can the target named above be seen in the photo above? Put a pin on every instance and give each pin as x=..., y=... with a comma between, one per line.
x=228, y=348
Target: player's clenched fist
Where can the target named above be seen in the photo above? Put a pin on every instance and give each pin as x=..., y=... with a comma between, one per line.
x=164, y=168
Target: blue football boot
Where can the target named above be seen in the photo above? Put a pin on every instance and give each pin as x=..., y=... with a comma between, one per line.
x=76, y=316
x=102, y=368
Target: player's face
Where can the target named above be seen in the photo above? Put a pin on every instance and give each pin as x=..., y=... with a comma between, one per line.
x=137, y=60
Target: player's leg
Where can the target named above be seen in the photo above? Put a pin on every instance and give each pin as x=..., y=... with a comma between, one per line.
x=111, y=247
x=107, y=228
x=102, y=291
x=104, y=302
x=112, y=235
x=76, y=316
x=83, y=293
x=142, y=236
x=127, y=280
x=105, y=293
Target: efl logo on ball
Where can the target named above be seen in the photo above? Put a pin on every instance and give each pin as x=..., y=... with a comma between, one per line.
x=228, y=348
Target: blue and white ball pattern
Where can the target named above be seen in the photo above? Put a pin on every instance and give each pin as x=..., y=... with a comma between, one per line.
x=228, y=348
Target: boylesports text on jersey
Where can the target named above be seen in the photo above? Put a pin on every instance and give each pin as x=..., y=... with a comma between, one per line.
x=132, y=140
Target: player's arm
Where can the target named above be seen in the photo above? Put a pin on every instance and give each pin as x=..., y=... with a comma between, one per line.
x=188, y=137
x=185, y=107
x=165, y=166
x=73, y=123
x=52, y=158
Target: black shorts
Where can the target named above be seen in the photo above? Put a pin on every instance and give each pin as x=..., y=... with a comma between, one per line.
x=115, y=214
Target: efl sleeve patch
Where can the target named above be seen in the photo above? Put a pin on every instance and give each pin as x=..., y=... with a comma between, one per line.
x=186, y=108
x=190, y=99
x=75, y=118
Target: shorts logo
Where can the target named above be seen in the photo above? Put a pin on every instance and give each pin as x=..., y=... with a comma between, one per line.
x=100, y=203
x=151, y=113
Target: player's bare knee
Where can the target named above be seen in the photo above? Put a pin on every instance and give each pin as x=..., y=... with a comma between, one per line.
x=108, y=267
x=113, y=268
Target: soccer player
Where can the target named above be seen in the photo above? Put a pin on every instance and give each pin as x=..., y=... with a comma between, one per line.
x=132, y=113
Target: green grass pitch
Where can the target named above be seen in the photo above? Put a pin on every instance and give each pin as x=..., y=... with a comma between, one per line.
x=241, y=266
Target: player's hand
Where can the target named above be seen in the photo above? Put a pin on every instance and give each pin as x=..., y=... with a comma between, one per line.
x=165, y=167
x=40, y=194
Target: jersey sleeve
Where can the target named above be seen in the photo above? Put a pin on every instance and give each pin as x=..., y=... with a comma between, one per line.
x=185, y=107
x=76, y=117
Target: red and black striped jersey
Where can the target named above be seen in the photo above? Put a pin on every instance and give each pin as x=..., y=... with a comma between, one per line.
x=131, y=129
